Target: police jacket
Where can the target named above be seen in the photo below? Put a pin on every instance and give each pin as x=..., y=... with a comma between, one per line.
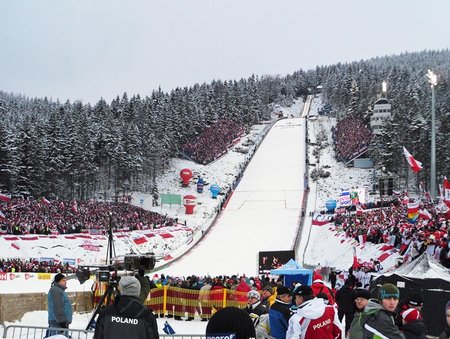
x=127, y=318
x=59, y=306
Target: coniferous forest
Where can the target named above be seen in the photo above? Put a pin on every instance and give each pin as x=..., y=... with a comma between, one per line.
x=73, y=150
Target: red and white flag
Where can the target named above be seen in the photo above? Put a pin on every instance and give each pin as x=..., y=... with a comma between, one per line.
x=5, y=197
x=415, y=165
x=2, y=216
x=446, y=191
x=74, y=207
x=14, y=245
x=424, y=214
x=45, y=201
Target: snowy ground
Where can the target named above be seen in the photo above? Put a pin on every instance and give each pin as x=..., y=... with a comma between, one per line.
x=261, y=215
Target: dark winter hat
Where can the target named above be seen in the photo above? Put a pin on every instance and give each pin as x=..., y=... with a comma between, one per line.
x=130, y=286
x=303, y=290
x=283, y=290
x=232, y=322
x=268, y=288
x=388, y=291
x=59, y=277
x=362, y=293
x=415, y=300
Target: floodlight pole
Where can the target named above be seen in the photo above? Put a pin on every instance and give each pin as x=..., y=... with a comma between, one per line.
x=432, y=78
x=110, y=251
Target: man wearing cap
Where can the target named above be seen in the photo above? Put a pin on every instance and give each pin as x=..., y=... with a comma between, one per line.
x=414, y=301
x=267, y=298
x=314, y=318
x=362, y=297
x=413, y=325
x=127, y=318
x=380, y=315
x=279, y=313
x=59, y=306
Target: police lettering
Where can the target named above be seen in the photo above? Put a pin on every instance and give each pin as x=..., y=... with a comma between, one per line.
x=322, y=324
x=124, y=320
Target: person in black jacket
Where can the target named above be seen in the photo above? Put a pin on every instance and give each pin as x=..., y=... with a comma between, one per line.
x=413, y=325
x=345, y=299
x=127, y=318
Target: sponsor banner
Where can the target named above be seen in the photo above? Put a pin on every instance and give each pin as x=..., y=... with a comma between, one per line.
x=321, y=219
x=44, y=276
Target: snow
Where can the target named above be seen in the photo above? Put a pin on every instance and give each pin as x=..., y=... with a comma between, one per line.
x=262, y=214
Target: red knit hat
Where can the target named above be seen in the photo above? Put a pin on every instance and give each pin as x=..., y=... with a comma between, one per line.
x=411, y=314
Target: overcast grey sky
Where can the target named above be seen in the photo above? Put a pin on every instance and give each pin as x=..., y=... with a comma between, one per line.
x=87, y=49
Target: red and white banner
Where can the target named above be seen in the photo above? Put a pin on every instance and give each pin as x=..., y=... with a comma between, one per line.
x=321, y=219
x=5, y=197
x=416, y=165
x=424, y=214
x=446, y=189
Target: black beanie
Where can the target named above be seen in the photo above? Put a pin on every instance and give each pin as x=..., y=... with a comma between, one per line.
x=231, y=320
x=58, y=277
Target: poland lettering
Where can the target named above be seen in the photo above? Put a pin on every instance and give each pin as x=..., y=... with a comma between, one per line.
x=322, y=324
x=122, y=320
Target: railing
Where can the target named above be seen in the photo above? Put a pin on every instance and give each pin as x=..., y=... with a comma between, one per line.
x=18, y=331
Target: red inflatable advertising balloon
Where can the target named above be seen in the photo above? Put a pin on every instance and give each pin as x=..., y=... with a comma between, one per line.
x=186, y=175
x=189, y=202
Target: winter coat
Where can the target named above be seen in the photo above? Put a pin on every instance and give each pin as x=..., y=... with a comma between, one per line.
x=259, y=315
x=414, y=330
x=445, y=334
x=59, y=306
x=314, y=319
x=357, y=327
x=243, y=288
x=345, y=298
x=319, y=287
x=126, y=319
x=380, y=322
x=279, y=315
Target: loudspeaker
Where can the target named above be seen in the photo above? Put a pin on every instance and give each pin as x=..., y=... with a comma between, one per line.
x=390, y=186
x=381, y=186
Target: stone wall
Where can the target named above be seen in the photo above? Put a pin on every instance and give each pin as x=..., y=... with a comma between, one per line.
x=14, y=306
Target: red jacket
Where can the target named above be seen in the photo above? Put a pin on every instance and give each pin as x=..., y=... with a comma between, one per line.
x=319, y=287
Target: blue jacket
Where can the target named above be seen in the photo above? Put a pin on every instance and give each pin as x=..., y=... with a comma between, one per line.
x=59, y=306
x=279, y=315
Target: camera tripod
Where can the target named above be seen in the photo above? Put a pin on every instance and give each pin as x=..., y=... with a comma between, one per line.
x=111, y=290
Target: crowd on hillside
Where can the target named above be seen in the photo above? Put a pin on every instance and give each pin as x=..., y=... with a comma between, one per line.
x=16, y=265
x=350, y=137
x=29, y=216
x=392, y=227
x=213, y=141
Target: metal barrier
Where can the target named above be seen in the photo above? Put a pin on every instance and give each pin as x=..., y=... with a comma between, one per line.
x=2, y=328
x=18, y=331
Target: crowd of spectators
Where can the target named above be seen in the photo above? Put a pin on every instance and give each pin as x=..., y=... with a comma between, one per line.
x=16, y=265
x=391, y=226
x=29, y=216
x=350, y=138
x=212, y=142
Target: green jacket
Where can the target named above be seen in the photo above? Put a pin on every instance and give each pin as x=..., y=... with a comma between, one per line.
x=357, y=326
x=379, y=323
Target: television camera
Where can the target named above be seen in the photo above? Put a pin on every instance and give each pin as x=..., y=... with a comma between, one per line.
x=120, y=266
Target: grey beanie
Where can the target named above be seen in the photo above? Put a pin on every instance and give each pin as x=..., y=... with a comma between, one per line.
x=130, y=286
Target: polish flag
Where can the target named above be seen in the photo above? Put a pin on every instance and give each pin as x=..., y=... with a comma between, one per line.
x=140, y=240
x=74, y=207
x=415, y=165
x=45, y=201
x=446, y=189
x=424, y=214
x=355, y=259
x=5, y=197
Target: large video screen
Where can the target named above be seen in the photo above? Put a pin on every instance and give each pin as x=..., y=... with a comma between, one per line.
x=273, y=259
